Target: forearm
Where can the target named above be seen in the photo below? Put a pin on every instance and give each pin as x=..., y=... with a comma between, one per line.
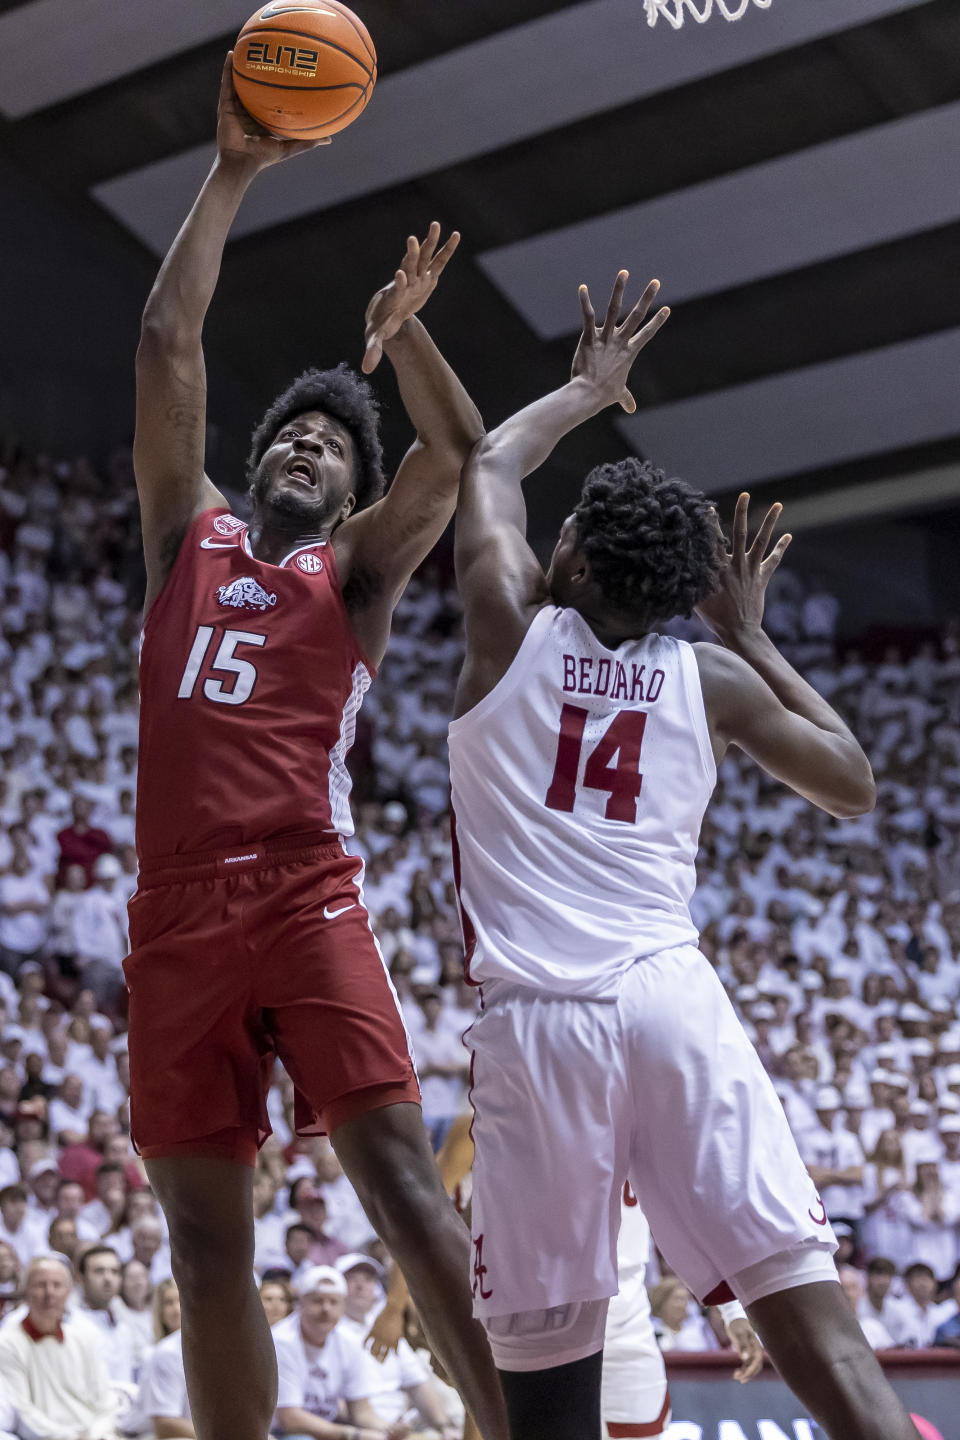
x=184, y=287
x=296, y=1421
x=522, y=443
x=439, y=407
x=753, y=645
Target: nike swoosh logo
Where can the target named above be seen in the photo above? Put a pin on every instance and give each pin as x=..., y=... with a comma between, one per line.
x=280, y=9
x=332, y=914
x=218, y=544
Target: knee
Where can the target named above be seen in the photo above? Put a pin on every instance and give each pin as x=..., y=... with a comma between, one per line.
x=204, y=1251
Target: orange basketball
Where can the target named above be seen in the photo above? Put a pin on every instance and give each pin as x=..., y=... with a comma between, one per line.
x=304, y=68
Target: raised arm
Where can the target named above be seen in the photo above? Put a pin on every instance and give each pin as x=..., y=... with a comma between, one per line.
x=380, y=548
x=168, y=449
x=500, y=579
x=755, y=699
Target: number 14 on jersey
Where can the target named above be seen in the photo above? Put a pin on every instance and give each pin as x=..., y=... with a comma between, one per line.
x=613, y=766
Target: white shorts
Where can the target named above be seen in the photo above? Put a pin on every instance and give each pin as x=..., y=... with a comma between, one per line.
x=570, y=1096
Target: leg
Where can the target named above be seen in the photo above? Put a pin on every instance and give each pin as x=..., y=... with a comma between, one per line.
x=562, y=1403
x=817, y=1345
x=387, y=1159
x=228, y=1354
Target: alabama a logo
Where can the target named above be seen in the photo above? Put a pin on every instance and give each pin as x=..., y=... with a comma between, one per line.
x=245, y=594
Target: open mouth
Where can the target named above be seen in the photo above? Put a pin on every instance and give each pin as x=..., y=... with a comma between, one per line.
x=301, y=470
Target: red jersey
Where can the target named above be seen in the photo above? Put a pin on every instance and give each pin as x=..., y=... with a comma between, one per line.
x=250, y=683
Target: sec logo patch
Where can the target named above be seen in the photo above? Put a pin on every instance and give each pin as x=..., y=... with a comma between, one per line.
x=309, y=564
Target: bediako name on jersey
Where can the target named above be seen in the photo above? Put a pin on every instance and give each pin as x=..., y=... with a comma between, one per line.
x=582, y=675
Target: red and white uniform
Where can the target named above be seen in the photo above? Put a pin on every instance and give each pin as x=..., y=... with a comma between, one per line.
x=606, y=1045
x=249, y=936
x=250, y=683
x=633, y=1401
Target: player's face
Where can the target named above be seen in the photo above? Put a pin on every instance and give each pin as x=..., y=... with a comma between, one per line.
x=307, y=474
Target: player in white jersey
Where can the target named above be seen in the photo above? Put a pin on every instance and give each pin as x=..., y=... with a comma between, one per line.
x=582, y=757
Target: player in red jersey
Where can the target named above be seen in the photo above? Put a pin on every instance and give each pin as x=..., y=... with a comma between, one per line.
x=249, y=937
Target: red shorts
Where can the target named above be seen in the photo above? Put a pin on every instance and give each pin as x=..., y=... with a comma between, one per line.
x=240, y=958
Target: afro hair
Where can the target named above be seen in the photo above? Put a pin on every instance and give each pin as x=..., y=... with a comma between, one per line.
x=653, y=544
x=341, y=394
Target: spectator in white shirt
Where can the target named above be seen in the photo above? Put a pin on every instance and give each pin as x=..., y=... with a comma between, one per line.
x=678, y=1324
x=52, y=1367
x=403, y=1381
x=24, y=903
x=99, y=1268
x=885, y=1229
x=877, y=1303
x=106, y=1211
x=443, y=1066
x=915, y=1316
x=322, y=1368
x=100, y=933
x=70, y=1111
x=163, y=1386
x=851, y=1283
x=18, y=1227
x=834, y=1159
x=136, y=1296
x=149, y=1247
x=932, y=1214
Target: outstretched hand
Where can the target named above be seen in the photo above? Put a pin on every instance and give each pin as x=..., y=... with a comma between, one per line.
x=385, y=1333
x=604, y=356
x=241, y=138
x=737, y=603
x=408, y=292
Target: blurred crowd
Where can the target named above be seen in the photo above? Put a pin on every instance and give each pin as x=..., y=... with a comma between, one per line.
x=838, y=942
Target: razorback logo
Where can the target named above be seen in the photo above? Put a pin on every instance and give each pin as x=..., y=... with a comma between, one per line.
x=245, y=594
x=227, y=525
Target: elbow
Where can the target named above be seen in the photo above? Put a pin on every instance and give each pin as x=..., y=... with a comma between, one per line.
x=162, y=330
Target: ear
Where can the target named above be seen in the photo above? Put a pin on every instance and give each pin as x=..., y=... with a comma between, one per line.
x=579, y=573
x=348, y=506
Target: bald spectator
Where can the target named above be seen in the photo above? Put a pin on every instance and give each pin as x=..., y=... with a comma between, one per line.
x=52, y=1368
x=150, y=1248
x=81, y=843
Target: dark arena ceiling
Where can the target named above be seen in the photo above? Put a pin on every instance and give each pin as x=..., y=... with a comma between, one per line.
x=794, y=179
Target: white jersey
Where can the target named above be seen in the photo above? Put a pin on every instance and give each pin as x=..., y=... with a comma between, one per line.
x=579, y=785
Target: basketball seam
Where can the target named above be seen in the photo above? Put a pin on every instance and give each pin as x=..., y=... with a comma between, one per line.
x=304, y=35
x=352, y=20
x=299, y=129
x=304, y=89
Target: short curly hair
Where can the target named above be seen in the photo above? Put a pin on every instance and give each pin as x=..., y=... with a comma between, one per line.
x=653, y=544
x=344, y=396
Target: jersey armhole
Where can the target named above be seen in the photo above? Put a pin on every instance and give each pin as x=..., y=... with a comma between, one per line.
x=690, y=671
x=505, y=686
x=178, y=563
x=329, y=555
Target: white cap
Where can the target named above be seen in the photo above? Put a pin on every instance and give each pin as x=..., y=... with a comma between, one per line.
x=949, y=1125
x=47, y=1166
x=950, y=1103
x=747, y=993
x=828, y=1098
x=919, y=1107
x=322, y=1279
x=949, y=1040
x=919, y=1047
x=811, y=980
x=107, y=867
x=856, y=1096
x=953, y=1074
x=928, y=1154
x=940, y=1004
x=395, y=810
x=13, y=1032
x=912, y=1012
x=899, y=1081
x=886, y=1051
x=764, y=1011
x=881, y=1077
x=346, y=1263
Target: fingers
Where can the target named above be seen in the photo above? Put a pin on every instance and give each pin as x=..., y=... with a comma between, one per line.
x=589, y=318
x=373, y=353
x=776, y=555
x=764, y=535
x=628, y=403
x=740, y=518
x=429, y=246
x=440, y=260
x=226, y=78
x=616, y=301
x=639, y=312
x=644, y=336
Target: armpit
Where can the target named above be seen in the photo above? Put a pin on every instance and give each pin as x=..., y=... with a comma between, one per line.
x=363, y=587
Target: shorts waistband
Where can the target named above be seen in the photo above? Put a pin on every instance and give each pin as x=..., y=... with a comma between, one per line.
x=261, y=855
